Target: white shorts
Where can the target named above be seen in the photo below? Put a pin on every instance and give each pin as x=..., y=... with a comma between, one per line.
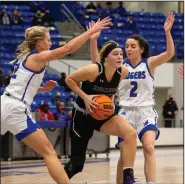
x=16, y=118
x=141, y=118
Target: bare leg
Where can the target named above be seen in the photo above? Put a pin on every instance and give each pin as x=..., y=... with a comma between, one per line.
x=40, y=143
x=148, y=141
x=119, y=176
x=119, y=127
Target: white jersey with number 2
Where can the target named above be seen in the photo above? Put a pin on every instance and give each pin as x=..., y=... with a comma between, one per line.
x=137, y=89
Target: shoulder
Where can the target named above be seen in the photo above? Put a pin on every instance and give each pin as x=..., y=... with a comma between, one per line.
x=90, y=67
x=124, y=71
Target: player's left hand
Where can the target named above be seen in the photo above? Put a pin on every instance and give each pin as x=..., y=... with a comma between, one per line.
x=95, y=35
x=49, y=85
x=169, y=22
x=181, y=71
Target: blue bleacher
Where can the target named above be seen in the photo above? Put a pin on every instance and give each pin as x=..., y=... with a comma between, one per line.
x=11, y=37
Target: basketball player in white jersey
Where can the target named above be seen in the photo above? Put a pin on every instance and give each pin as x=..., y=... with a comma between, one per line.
x=136, y=94
x=34, y=55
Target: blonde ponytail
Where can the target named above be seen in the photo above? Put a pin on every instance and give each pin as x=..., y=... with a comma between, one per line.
x=32, y=35
x=23, y=49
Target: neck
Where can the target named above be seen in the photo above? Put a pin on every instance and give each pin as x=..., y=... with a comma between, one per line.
x=109, y=71
x=135, y=61
x=38, y=49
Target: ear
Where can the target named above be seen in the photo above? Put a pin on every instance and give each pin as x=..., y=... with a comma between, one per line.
x=39, y=43
x=142, y=50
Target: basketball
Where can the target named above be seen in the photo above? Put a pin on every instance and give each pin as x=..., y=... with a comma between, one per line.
x=105, y=107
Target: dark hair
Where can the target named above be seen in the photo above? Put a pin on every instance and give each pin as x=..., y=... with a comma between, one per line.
x=143, y=44
x=103, y=49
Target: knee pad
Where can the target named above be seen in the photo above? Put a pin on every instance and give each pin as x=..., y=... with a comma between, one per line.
x=72, y=169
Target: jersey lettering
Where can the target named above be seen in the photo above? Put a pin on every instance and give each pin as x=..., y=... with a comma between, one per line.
x=136, y=75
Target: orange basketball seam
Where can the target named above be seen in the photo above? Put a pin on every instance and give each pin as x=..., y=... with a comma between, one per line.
x=100, y=113
x=103, y=110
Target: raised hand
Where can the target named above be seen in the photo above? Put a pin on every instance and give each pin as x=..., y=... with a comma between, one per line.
x=95, y=35
x=89, y=103
x=169, y=22
x=49, y=85
x=181, y=71
x=100, y=25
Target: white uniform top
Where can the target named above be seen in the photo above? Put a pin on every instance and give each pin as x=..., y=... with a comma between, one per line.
x=137, y=90
x=24, y=82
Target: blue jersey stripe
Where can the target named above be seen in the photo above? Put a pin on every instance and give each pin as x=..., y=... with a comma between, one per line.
x=149, y=69
x=27, y=87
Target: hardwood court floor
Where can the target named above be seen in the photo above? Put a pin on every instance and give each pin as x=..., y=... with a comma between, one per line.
x=100, y=170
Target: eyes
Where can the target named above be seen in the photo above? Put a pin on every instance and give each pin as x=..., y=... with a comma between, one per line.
x=117, y=53
x=133, y=46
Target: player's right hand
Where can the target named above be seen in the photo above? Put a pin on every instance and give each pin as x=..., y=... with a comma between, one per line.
x=89, y=103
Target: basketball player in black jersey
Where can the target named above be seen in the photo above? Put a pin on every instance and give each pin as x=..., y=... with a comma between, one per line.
x=99, y=78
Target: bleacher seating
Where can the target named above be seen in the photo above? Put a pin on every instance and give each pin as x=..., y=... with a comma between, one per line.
x=149, y=25
x=12, y=36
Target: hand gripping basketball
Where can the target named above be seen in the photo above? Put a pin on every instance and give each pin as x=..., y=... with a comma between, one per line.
x=105, y=107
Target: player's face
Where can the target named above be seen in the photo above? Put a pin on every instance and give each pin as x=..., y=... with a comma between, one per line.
x=45, y=44
x=115, y=58
x=132, y=49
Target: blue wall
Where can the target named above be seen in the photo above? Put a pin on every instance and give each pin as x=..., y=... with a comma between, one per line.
x=54, y=8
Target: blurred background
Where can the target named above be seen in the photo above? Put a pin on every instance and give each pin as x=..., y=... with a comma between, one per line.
x=68, y=19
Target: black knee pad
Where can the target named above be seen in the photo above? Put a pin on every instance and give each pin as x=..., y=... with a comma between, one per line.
x=72, y=169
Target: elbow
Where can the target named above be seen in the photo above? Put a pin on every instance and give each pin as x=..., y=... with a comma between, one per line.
x=67, y=80
x=94, y=61
x=171, y=54
x=172, y=51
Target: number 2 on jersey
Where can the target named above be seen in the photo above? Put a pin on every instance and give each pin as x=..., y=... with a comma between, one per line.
x=134, y=88
x=16, y=67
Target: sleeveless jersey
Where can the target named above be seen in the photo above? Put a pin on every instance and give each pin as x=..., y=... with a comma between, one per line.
x=137, y=89
x=100, y=85
x=24, y=82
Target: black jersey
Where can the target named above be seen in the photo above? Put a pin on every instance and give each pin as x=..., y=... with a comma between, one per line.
x=100, y=85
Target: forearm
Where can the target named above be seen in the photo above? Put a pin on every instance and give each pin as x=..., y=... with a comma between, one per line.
x=77, y=42
x=94, y=51
x=69, y=48
x=170, y=44
x=75, y=87
x=155, y=61
x=42, y=90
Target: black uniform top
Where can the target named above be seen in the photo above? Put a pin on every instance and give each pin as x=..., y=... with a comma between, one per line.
x=100, y=85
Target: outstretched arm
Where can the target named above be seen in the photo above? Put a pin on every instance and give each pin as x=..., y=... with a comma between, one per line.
x=162, y=58
x=50, y=85
x=72, y=45
x=94, y=43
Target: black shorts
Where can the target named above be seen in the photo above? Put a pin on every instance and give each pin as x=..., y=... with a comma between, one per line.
x=83, y=124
